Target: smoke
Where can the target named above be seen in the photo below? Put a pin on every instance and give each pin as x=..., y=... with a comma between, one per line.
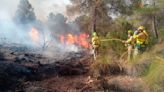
x=44, y=7
x=7, y=9
x=10, y=32
x=59, y=26
x=25, y=22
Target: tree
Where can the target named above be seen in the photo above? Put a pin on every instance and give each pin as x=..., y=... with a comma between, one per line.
x=83, y=22
x=151, y=11
x=57, y=24
x=93, y=8
x=154, y=22
x=25, y=13
x=158, y=21
x=99, y=10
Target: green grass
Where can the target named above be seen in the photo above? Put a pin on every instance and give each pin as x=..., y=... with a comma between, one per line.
x=161, y=33
x=147, y=10
x=154, y=75
x=150, y=67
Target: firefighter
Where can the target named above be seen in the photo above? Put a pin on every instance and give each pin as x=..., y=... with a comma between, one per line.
x=141, y=41
x=130, y=44
x=95, y=44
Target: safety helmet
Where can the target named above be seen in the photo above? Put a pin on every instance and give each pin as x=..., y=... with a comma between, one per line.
x=130, y=32
x=141, y=28
x=94, y=34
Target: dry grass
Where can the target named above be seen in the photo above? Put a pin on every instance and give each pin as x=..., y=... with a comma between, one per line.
x=105, y=65
x=127, y=84
x=150, y=67
x=100, y=66
x=155, y=75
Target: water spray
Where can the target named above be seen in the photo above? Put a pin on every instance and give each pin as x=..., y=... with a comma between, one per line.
x=114, y=39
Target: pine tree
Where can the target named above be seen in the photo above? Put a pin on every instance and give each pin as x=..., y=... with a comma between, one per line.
x=25, y=13
x=99, y=10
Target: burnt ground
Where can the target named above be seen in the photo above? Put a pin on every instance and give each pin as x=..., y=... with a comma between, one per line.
x=20, y=69
x=23, y=71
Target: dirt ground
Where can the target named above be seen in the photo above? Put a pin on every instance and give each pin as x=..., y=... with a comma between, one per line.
x=27, y=72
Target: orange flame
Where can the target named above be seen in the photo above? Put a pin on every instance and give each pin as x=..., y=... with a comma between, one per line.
x=78, y=40
x=84, y=40
x=34, y=34
x=62, y=38
x=70, y=39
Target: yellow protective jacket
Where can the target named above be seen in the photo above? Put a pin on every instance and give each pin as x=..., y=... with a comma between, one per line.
x=95, y=41
x=141, y=38
x=130, y=41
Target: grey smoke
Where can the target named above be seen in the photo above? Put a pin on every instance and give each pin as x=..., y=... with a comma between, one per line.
x=17, y=20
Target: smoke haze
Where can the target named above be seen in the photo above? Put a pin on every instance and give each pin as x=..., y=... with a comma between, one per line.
x=41, y=7
x=12, y=32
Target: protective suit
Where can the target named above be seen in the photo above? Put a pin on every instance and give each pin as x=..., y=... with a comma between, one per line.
x=95, y=44
x=130, y=44
x=141, y=41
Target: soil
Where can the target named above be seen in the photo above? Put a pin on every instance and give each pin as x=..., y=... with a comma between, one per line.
x=23, y=71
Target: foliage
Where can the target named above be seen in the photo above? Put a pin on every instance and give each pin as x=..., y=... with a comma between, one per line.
x=25, y=13
x=57, y=24
x=100, y=12
x=131, y=15
x=154, y=76
x=150, y=67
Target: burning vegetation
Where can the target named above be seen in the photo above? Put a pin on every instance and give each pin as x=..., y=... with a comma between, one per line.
x=81, y=40
x=54, y=55
x=34, y=35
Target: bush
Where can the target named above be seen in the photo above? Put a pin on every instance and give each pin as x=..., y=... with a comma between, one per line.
x=150, y=67
x=100, y=66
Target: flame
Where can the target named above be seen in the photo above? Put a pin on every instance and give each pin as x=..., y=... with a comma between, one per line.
x=78, y=40
x=84, y=40
x=70, y=39
x=62, y=38
x=34, y=34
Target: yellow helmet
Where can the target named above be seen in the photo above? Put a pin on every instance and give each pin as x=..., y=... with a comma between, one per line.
x=130, y=31
x=141, y=28
x=94, y=34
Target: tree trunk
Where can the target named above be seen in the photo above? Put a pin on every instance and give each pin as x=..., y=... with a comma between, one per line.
x=154, y=26
x=94, y=20
x=154, y=23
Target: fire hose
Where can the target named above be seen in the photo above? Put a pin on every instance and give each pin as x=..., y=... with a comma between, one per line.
x=106, y=40
x=114, y=39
